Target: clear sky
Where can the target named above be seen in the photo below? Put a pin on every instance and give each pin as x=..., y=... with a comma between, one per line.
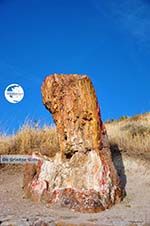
x=107, y=40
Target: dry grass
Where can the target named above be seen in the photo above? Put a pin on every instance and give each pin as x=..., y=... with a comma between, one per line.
x=131, y=135
x=29, y=139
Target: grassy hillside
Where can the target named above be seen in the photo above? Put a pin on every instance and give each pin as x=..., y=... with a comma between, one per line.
x=131, y=135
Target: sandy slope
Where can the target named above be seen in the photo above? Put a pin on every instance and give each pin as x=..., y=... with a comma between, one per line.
x=134, y=210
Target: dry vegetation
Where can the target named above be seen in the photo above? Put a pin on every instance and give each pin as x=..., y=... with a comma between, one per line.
x=131, y=135
x=29, y=139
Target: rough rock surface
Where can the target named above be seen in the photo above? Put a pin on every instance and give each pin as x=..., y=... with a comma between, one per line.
x=82, y=175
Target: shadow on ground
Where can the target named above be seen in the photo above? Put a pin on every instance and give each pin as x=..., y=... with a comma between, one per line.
x=119, y=165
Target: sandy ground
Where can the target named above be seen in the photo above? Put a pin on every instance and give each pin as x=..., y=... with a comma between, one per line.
x=133, y=210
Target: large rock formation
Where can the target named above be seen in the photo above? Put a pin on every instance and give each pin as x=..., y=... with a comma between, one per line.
x=82, y=175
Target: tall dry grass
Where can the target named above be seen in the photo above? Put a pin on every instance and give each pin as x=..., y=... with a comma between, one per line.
x=131, y=135
x=29, y=139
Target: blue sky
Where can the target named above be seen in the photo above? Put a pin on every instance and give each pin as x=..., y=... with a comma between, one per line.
x=107, y=40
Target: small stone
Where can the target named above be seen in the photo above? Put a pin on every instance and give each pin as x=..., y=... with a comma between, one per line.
x=40, y=223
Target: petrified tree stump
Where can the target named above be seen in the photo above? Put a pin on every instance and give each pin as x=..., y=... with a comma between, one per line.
x=82, y=175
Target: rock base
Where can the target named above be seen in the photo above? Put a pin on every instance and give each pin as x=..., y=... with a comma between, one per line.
x=83, y=185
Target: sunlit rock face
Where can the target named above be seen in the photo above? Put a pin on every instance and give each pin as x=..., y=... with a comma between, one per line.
x=82, y=175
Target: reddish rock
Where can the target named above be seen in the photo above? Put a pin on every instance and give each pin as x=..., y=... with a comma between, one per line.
x=82, y=175
x=72, y=101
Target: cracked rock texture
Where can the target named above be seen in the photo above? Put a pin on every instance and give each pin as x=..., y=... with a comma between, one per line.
x=81, y=176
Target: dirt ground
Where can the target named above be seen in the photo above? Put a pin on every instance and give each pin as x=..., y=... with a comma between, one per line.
x=134, y=210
